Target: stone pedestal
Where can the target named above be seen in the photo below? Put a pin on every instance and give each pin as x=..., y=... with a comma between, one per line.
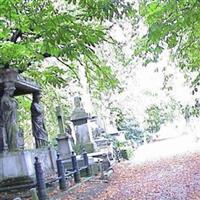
x=81, y=121
x=84, y=138
x=64, y=139
x=18, y=167
x=64, y=146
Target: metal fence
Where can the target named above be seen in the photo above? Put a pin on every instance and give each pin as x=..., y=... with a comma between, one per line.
x=62, y=175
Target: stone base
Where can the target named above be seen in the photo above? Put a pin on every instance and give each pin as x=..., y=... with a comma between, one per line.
x=93, y=165
x=64, y=146
x=18, y=167
x=104, y=146
x=89, y=147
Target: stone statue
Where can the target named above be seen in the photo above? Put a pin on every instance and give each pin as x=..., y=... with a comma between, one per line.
x=38, y=127
x=79, y=111
x=68, y=132
x=9, y=109
x=78, y=104
x=21, y=139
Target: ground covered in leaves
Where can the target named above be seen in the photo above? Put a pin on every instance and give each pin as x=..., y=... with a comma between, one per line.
x=174, y=178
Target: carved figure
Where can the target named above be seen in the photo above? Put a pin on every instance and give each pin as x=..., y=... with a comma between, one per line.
x=38, y=127
x=78, y=104
x=21, y=139
x=68, y=132
x=9, y=109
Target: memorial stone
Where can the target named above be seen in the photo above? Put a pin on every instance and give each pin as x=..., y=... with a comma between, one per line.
x=64, y=138
x=16, y=163
x=37, y=118
x=81, y=121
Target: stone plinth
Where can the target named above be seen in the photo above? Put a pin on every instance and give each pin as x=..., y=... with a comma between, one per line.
x=92, y=162
x=18, y=167
x=84, y=138
x=81, y=121
x=64, y=146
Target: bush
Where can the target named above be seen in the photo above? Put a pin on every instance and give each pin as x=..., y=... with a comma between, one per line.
x=127, y=153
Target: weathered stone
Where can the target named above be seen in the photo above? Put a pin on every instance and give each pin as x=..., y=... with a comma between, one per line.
x=12, y=84
x=82, y=134
x=34, y=195
x=92, y=163
x=64, y=139
x=17, y=198
x=105, y=162
x=23, y=85
x=18, y=167
x=64, y=146
x=81, y=122
x=8, y=107
x=78, y=112
x=89, y=147
x=37, y=118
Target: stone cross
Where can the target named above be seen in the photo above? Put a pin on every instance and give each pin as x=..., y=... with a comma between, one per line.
x=64, y=143
x=60, y=120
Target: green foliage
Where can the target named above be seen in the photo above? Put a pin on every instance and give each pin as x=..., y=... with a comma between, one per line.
x=67, y=30
x=175, y=24
x=24, y=120
x=155, y=118
x=127, y=153
x=160, y=114
x=190, y=111
x=132, y=129
x=118, y=144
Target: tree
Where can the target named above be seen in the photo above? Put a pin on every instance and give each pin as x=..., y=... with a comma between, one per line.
x=31, y=31
x=173, y=25
x=50, y=40
x=154, y=119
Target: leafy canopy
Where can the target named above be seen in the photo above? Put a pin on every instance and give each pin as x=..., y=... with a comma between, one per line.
x=175, y=25
x=31, y=30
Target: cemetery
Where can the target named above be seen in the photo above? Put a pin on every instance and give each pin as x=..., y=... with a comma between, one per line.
x=23, y=169
x=99, y=100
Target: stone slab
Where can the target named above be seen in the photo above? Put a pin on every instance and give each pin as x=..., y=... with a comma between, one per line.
x=18, y=167
x=64, y=147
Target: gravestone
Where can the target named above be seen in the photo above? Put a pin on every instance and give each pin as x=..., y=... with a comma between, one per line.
x=17, y=164
x=81, y=121
x=64, y=138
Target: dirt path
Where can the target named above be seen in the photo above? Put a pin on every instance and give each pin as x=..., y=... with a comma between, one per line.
x=175, y=177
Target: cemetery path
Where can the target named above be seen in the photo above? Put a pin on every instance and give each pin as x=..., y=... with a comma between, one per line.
x=176, y=177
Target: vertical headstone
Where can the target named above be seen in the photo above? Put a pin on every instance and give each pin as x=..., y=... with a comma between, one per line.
x=60, y=120
x=64, y=142
x=81, y=122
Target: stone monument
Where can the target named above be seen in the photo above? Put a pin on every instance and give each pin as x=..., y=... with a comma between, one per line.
x=17, y=164
x=37, y=118
x=81, y=122
x=64, y=138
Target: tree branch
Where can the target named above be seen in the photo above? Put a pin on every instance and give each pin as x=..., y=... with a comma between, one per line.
x=16, y=35
x=71, y=68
